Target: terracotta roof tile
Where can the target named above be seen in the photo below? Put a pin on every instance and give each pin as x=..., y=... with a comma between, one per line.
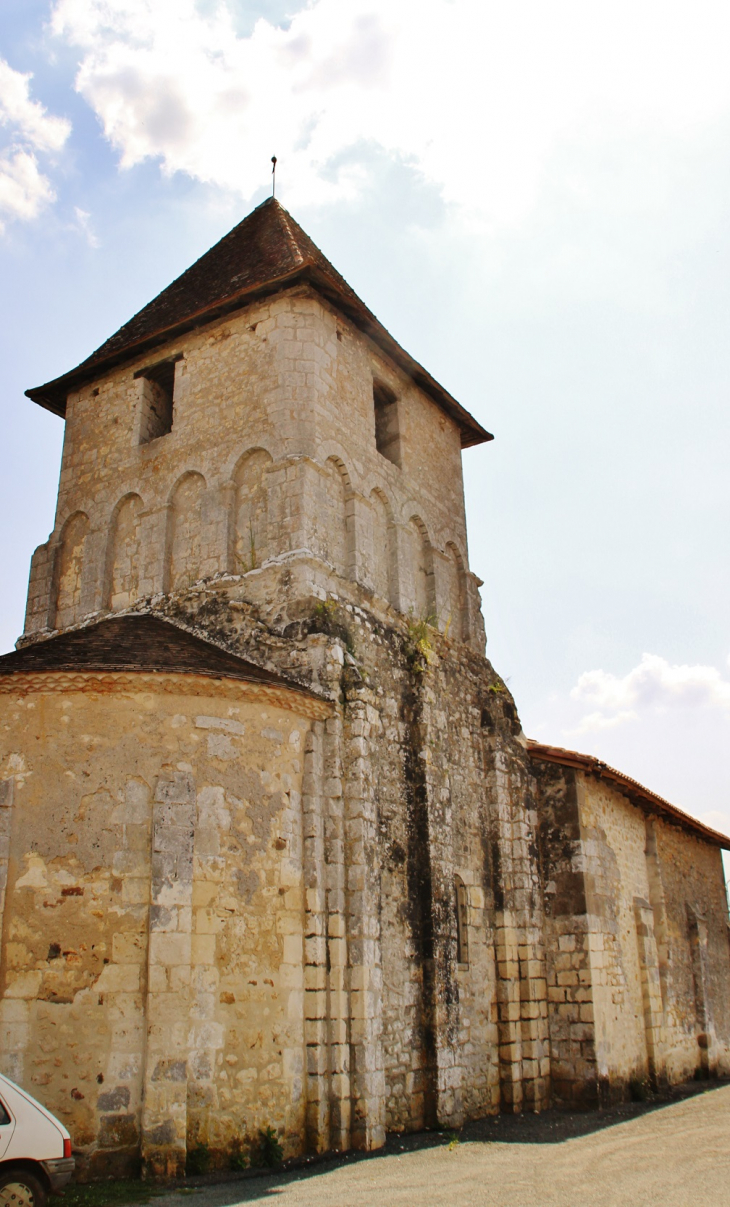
x=266, y=252
x=632, y=788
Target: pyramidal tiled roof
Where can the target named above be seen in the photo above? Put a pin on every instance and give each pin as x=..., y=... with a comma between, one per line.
x=266, y=252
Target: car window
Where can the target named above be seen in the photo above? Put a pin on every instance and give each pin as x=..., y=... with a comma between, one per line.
x=4, y=1116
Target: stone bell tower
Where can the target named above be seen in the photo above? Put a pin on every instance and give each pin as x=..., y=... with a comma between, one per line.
x=256, y=423
x=275, y=755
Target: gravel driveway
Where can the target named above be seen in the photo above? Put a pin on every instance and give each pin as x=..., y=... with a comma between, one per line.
x=672, y=1157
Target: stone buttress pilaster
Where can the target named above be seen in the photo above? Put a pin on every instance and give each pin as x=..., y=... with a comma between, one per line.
x=14, y=1011
x=315, y=947
x=164, y=1110
x=706, y=1039
x=6, y=813
x=521, y=979
x=38, y=606
x=338, y=981
x=367, y=1074
x=441, y=1011
x=651, y=991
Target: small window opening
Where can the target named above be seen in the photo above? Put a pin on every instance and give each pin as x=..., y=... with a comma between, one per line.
x=158, y=396
x=387, y=427
x=462, y=915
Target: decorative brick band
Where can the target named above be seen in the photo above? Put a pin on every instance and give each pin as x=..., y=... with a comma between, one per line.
x=106, y=682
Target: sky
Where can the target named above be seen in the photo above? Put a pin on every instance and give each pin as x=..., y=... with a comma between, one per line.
x=533, y=199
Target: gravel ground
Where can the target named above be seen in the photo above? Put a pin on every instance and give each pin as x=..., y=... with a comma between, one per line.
x=668, y=1155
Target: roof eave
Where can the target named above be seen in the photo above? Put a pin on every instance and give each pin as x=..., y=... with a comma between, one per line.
x=53, y=394
x=632, y=788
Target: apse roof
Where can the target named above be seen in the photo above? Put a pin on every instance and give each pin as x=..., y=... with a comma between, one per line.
x=139, y=642
x=635, y=791
x=267, y=251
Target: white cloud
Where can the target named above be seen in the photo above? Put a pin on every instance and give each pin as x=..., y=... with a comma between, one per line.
x=594, y=722
x=29, y=118
x=655, y=682
x=654, y=685
x=24, y=190
x=477, y=95
x=83, y=224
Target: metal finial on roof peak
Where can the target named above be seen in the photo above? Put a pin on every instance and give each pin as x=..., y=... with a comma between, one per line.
x=273, y=176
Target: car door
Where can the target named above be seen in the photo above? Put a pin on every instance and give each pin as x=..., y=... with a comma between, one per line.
x=7, y=1127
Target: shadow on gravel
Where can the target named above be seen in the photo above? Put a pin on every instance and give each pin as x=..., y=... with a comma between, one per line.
x=550, y=1127
x=554, y=1127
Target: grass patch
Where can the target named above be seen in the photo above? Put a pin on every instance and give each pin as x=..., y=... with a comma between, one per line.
x=109, y=1194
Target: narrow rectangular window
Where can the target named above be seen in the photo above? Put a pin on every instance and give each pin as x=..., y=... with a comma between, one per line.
x=387, y=426
x=157, y=401
x=462, y=923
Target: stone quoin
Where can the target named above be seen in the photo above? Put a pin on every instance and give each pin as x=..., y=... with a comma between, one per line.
x=274, y=850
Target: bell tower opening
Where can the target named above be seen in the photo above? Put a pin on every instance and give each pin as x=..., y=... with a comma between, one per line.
x=157, y=400
x=387, y=425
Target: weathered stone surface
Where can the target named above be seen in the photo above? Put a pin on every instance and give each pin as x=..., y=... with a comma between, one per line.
x=230, y=905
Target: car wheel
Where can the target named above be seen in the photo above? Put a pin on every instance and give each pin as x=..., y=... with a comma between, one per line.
x=21, y=1188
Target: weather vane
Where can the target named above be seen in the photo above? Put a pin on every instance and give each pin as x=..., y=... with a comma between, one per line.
x=273, y=176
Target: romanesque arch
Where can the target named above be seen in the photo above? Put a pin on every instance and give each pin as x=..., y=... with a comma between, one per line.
x=250, y=528
x=185, y=523
x=70, y=559
x=338, y=528
x=124, y=554
x=383, y=553
x=422, y=599
x=454, y=610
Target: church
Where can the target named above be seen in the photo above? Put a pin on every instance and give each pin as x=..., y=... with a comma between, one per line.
x=274, y=849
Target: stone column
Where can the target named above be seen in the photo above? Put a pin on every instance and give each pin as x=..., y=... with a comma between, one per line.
x=363, y=923
x=359, y=526
x=214, y=516
x=403, y=588
x=94, y=572
x=228, y=506
x=154, y=542
x=164, y=1112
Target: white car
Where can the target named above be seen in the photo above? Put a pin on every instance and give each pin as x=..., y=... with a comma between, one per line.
x=35, y=1150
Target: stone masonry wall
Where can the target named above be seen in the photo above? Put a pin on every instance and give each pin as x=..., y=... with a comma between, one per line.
x=693, y=891
x=568, y=941
x=639, y=962
x=272, y=452
x=359, y=1018
x=152, y=974
x=444, y=787
x=246, y=903
x=613, y=840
